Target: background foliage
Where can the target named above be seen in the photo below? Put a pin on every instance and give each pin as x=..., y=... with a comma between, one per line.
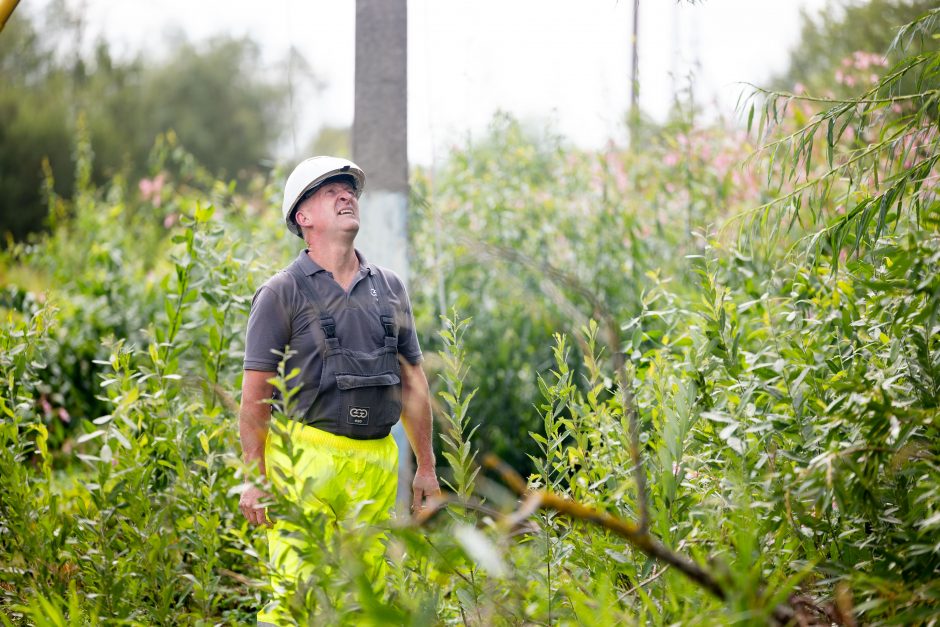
x=715, y=359
x=214, y=94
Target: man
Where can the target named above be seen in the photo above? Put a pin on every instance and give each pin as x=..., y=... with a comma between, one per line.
x=350, y=330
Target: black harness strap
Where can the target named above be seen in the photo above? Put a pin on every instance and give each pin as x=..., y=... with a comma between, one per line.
x=387, y=316
x=326, y=320
x=327, y=323
x=304, y=284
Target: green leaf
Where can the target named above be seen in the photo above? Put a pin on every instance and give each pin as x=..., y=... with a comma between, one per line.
x=87, y=437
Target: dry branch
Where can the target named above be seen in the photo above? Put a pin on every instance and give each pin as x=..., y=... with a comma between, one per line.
x=633, y=533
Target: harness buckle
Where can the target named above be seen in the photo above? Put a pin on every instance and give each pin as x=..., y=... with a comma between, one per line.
x=389, y=323
x=328, y=325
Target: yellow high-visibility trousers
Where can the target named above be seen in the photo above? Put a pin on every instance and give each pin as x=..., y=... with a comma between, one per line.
x=350, y=484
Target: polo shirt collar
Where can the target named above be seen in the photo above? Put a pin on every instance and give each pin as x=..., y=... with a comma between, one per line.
x=311, y=267
x=364, y=265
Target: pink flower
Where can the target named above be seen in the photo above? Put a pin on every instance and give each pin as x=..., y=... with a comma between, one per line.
x=170, y=220
x=671, y=159
x=861, y=60
x=799, y=88
x=150, y=188
x=722, y=161
x=64, y=415
x=865, y=60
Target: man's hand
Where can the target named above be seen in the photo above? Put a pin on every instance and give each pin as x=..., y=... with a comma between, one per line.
x=425, y=487
x=251, y=507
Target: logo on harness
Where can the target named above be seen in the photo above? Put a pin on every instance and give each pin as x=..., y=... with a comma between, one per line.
x=359, y=415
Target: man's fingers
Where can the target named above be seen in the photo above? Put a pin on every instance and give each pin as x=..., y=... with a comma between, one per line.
x=255, y=514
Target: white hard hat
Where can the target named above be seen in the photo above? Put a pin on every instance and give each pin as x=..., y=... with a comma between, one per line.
x=308, y=175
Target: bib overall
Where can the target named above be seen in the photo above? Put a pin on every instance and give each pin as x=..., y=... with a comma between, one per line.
x=359, y=395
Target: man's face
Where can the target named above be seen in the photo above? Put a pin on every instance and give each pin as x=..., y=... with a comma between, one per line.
x=333, y=208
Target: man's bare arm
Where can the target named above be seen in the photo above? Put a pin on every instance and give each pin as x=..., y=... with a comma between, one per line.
x=416, y=417
x=253, y=420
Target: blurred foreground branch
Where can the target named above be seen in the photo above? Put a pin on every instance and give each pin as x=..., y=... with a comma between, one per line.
x=6, y=10
x=633, y=533
x=799, y=609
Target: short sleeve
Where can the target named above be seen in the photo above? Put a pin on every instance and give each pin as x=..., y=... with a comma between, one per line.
x=268, y=331
x=407, y=333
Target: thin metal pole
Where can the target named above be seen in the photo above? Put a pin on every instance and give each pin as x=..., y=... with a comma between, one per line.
x=635, y=73
x=634, y=120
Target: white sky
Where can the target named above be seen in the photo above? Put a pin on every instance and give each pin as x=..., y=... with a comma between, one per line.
x=560, y=62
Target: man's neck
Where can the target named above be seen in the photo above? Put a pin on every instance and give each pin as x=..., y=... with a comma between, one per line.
x=339, y=259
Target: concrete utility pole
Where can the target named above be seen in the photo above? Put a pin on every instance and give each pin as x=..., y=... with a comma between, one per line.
x=380, y=147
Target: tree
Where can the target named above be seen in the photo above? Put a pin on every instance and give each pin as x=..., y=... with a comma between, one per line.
x=35, y=113
x=214, y=95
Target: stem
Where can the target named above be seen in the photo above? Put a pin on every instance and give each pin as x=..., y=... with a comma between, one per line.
x=218, y=359
x=639, y=472
x=862, y=100
x=548, y=567
x=652, y=578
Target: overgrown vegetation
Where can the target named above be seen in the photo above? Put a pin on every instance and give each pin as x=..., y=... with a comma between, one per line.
x=217, y=95
x=722, y=381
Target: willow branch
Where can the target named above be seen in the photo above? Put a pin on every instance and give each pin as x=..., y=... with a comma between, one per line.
x=599, y=308
x=644, y=583
x=6, y=10
x=816, y=181
x=629, y=409
x=839, y=101
x=632, y=532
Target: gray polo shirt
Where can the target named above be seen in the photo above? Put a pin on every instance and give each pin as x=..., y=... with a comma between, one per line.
x=280, y=317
